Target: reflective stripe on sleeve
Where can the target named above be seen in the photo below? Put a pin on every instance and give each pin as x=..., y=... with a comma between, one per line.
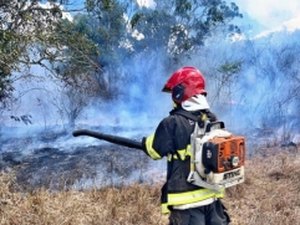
x=150, y=150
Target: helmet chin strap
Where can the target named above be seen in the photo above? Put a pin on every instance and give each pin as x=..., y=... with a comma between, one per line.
x=195, y=103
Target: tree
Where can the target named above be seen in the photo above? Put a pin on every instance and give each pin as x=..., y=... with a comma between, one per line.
x=105, y=26
x=89, y=52
x=22, y=24
x=175, y=29
x=33, y=33
x=181, y=26
x=226, y=75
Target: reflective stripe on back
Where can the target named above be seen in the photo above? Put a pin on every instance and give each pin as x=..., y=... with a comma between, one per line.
x=164, y=208
x=193, y=196
x=183, y=153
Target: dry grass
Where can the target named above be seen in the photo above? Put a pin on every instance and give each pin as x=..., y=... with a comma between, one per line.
x=271, y=192
x=136, y=204
x=270, y=195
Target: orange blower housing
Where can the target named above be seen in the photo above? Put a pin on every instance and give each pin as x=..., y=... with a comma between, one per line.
x=220, y=154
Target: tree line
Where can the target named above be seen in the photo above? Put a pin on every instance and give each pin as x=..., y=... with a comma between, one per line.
x=100, y=35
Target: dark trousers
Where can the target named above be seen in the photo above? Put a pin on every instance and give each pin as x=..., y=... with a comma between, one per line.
x=213, y=214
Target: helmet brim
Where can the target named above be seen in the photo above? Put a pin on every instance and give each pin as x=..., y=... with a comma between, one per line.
x=166, y=89
x=203, y=92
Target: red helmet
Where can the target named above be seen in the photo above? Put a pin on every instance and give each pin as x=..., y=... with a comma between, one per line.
x=185, y=83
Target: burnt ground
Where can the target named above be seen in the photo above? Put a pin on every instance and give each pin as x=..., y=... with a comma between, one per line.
x=57, y=169
x=40, y=162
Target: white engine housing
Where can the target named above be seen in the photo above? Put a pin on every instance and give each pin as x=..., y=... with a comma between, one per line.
x=199, y=175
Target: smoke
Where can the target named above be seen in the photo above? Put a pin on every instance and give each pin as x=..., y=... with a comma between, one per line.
x=135, y=113
x=253, y=86
x=140, y=104
x=262, y=92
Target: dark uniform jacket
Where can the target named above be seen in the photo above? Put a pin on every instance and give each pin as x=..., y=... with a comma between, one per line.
x=172, y=140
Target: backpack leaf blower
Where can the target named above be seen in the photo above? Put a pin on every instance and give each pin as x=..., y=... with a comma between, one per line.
x=217, y=156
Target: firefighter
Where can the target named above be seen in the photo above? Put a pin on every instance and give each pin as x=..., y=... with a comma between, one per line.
x=187, y=204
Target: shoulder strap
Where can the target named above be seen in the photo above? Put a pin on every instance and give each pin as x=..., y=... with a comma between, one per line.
x=201, y=126
x=186, y=114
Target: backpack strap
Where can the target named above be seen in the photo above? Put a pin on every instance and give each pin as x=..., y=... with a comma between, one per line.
x=201, y=125
x=186, y=114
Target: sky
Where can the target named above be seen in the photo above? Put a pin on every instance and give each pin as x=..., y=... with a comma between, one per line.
x=267, y=15
x=259, y=15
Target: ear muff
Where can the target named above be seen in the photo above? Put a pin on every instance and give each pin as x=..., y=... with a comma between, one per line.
x=178, y=93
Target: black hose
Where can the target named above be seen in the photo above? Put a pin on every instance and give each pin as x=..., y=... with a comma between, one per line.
x=110, y=138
